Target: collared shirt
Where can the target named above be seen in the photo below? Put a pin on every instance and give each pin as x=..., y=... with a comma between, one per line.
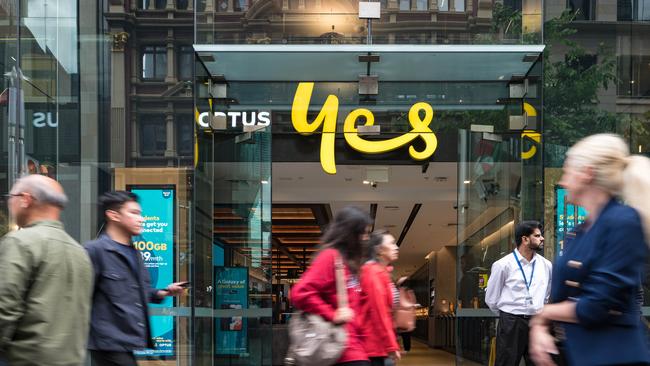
x=506, y=289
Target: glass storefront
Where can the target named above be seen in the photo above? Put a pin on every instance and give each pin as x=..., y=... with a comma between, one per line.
x=474, y=105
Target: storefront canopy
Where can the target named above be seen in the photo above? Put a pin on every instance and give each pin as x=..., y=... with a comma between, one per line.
x=344, y=63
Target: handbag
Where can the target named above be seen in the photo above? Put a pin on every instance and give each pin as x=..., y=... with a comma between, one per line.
x=404, y=314
x=314, y=340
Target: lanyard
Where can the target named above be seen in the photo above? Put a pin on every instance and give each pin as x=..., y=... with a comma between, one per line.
x=532, y=271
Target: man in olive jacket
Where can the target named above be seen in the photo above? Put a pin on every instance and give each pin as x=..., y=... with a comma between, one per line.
x=46, y=281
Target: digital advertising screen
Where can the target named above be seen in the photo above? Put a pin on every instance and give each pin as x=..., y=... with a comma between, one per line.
x=156, y=245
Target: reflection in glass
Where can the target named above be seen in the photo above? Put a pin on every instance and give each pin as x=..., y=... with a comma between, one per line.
x=185, y=63
x=241, y=5
x=404, y=5
x=153, y=135
x=634, y=76
x=154, y=62
x=182, y=4
x=443, y=5
x=584, y=9
x=422, y=4
x=643, y=9
x=459, y=5
x=184, y=134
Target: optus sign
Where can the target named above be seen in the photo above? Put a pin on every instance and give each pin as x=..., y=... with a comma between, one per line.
x=326, y=122
x=262, y=119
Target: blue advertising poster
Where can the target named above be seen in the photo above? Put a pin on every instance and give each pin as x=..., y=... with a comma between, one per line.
x=567, y=217
x=156, y=244
x=231, y=293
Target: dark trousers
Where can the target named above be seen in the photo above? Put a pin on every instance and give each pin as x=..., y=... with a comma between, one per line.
x=106, y=358
x=512, y=340
x=377, y=361
x=406, y=339
x=354, y=363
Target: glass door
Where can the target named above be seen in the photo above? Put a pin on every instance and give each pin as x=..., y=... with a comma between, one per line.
x=492, y=174
x=232, y=246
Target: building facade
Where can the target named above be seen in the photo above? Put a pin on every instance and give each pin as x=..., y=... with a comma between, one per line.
x=245, y=125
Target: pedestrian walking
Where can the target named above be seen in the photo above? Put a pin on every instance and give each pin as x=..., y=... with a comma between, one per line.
x=518, y=287
x=380, y=295
x=346, y=238
x=45, y=281
x=120, y=319
x=595, y=307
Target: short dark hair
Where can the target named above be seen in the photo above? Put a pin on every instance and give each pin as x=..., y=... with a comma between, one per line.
x=114, y=200
x=526, y=228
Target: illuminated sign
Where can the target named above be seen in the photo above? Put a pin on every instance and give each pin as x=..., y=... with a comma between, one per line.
x=41, y=120
x=326, y=121
x=245, y=118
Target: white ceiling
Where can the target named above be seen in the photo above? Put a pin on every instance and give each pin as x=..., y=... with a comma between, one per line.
x=395, y=199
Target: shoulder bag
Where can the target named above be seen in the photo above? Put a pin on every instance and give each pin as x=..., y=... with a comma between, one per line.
x=404, y=313
x=314, y=340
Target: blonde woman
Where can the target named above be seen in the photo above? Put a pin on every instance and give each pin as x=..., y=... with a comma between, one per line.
x=595, y=312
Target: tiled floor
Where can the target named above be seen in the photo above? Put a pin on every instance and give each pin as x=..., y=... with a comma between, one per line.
x=422, y=355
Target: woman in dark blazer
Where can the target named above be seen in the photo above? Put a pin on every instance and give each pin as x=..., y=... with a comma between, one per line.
x=594, y=312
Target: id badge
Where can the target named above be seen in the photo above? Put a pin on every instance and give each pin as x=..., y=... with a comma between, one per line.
x=529, y=301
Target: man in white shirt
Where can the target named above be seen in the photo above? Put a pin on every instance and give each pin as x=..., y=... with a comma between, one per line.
x=518, y=287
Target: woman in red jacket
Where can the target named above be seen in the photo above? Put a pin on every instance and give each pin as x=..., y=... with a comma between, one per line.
x=380, y=295
x=315, y=293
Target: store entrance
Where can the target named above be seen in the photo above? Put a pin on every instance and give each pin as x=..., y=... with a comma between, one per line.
x=436, y=152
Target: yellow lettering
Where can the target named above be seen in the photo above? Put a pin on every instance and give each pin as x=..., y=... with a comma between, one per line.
x=420, y=128
x=327, y=118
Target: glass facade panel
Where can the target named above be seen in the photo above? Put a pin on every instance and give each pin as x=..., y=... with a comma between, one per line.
x=318, y=22
x=110, y=104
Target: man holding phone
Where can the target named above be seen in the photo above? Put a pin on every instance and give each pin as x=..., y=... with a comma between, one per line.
x=120, y=318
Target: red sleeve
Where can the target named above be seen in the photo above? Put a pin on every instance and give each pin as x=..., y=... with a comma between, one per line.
x=316, y=282
x=377, y=284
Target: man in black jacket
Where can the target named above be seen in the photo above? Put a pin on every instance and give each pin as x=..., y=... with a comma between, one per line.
x=120, y=319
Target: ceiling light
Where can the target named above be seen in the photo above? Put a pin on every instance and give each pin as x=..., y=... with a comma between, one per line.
x=265, y=182
x=366, y=182
x=467, y=182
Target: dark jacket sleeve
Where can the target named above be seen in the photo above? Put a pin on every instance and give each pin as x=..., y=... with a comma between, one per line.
x=317, y=281
x=91, y=249
x=615, y=272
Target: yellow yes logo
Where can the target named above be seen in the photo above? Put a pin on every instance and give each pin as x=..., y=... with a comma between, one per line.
x=326, y=121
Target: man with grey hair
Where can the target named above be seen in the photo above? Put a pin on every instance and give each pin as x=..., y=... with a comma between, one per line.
x=46, y=281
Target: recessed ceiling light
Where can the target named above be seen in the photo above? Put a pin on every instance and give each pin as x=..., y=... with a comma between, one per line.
x=265, y=182
x=366, y=182
x=467, y=182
